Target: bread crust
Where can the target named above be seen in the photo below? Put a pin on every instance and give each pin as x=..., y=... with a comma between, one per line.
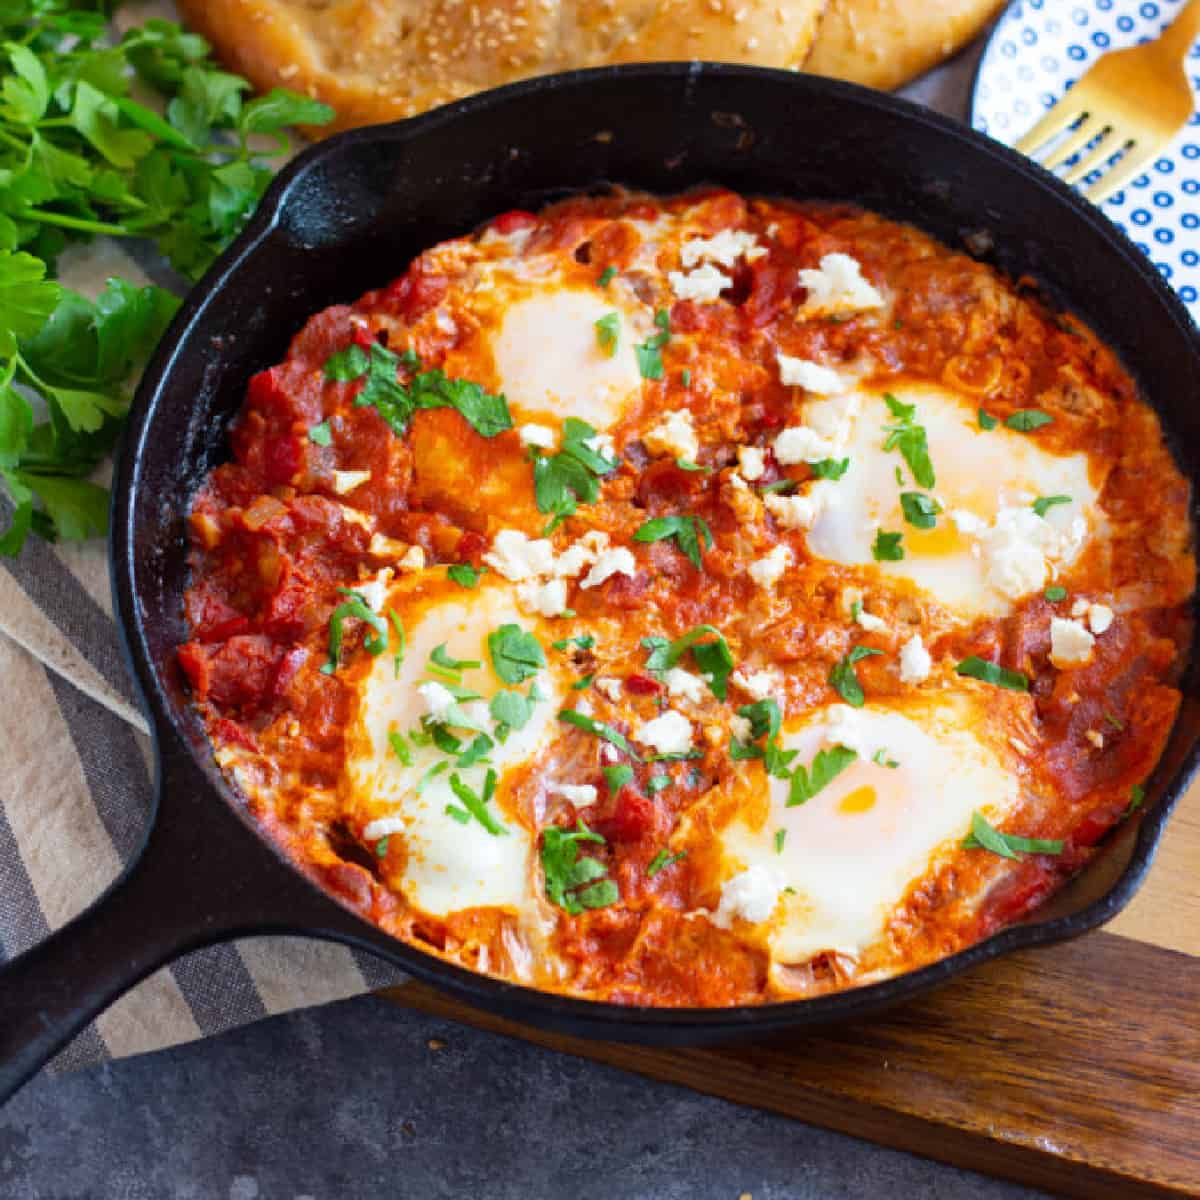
x=384, y=60
x=885, y=43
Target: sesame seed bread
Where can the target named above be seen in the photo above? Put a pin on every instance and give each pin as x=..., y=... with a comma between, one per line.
x=383, y=60
x=884, y=43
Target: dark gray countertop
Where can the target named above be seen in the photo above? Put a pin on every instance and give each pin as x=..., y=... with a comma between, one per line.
x=363, y=1098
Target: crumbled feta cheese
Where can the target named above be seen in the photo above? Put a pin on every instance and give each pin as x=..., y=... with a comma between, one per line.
x=609, y=753
x=794, y=512
x=768, y=570
x=383, y=827
x=704, y=283
x=752, y=462
x=674, y=435
x=746, y=504
x=669, y=734
x=915, y=663
x=751, y=895
x=356, y=516
x=610, y=687
x=347, y=481
x=1019, y=547
x=758, y=685
x=602, y=444
x=413, y=559
x=541, y=436
x=579, y=794
x=438, y=700
x=843, y=728
x=683, y=683
x=548, y=598
x=811, y=376
x=968, y=523
x=1096, y=738
x=799, y=443
x=725, y=247
x=742, y=728
x=837, y=287
x=1100, y=617
x=1080, y=607
x=611, y=562
x=1070, y=644
x=516, y=557
x=870, y=622
x=374, y=591
x=584, y=706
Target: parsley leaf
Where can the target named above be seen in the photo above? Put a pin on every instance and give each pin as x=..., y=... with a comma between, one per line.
x=441, y=658
x=618, y=777
x=608, y=333
x=606, y=276
x=1137, y=797
x=910, y=439
x=575, y=883
x=476, y=803
x=355, y=608
x=649, y=352
x=1043, y=504
x=826, y=766
x=662, y=860
x=986, y=420
x=887, y=547
x=466, y=575
x=920, y=510
x=320, y=434
x=984, y=836
x=516, y=655
x=714, y=658
x=990, y=672
x=1025, y=420
x=589, y=725
x=827, y=468
x=844, y=679
x=688, y=533
x=766, y=720
x=510, y=710
x=571, y=477
x=1055, y=593
x=344, y=366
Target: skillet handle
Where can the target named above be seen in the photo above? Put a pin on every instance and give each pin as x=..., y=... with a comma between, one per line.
x=201, y=877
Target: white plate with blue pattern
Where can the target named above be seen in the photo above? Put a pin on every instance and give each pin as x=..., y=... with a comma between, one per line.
x=1037, y=51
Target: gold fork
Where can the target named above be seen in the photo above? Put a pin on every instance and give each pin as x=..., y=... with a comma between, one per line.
x=1134, y=100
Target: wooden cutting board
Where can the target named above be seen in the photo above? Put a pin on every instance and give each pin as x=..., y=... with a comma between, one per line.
x=1075, y=1067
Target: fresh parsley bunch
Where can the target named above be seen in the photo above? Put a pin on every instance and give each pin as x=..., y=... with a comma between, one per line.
x=80, y=156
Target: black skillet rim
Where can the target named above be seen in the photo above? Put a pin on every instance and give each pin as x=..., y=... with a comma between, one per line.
x=598, y=1018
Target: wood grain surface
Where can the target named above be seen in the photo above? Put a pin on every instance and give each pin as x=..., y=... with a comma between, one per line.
x=1074, y=1068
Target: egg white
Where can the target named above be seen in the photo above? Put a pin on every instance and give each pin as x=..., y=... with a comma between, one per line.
x=979, y=473
x=851, y=852
x=449, y=866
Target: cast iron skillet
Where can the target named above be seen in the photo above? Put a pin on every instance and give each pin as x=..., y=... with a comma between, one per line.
x=348, y=215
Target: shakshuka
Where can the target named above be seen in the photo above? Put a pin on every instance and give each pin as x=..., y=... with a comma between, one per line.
x=696, y=601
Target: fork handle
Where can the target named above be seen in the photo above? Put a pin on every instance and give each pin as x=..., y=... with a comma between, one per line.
x=1182, y=32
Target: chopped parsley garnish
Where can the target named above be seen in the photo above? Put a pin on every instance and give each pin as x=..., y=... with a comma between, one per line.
x=401, y=641
x=511, y=710
x=685, y=464
x=617, y=777
x=1025, y=420
x=910, y=439
x=608, y=333
x=713, y=657
x=1137, y=796
x=606, y=276
x=584, y=641
x=984, y=836
x=781, y=485
x=662, y=860
x=441, y=658
x=585, y=682
x=649, y=352
x=381, y=848
x=844, y=679
x=827, y=468
x=990, y=672
x=466, y=575
x=320, y=435
x=880, y=759
x=575, y=883
x=516, y=655
x=356, y=608
x=765, y=722
x=827, y=765
x=563, y=481
x=887, y=547
x=1055, y=594
x=986, y=420
x=780, y=838
x=400, y=748
x=685, y=377
x=476, y=803
x=1043, y=504
x=657, y=783
x=920, y=510
x=688, y=533
x=599, y=729
x=395, y=402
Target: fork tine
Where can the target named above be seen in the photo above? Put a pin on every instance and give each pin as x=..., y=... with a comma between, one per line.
x=1128, y=168
x=1064, y=114
x=1075, y=141
x=1108, y=145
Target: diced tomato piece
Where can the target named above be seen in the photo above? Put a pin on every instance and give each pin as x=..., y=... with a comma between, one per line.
x=642, y=685
x=226, y=732
x=771, y=287
x=632, y=818
x=210, y=618
x=415, y=293
x=291, y=662
x=363, y=337
x=239, y=674
x=512, y=221
x=664, y=480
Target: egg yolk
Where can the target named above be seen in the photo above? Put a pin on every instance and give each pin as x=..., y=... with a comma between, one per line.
x=939, y=542
x=860, y=800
